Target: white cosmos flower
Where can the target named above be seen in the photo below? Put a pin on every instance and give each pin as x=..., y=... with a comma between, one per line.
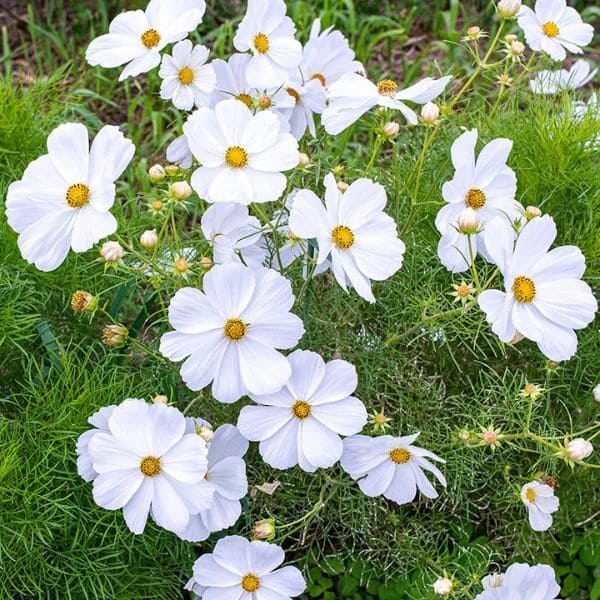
x=352, y=227
x=64, y=197
x=353, y=95
x=553, y=27
x=391, y=466
x=551, y=82
x=302, y=423
x=242, y=155
x=238, y=568
x=179, y=153
x=485, y=184
x=234, y=234
x=100, y=422
x=544, y=298
x=136, y=37
x=226, y=475
x=230, y=331
x=232, y=83
x=521, y=582
x=187, y=80
x=145, y=461
x=268, y=33
x=541, y=502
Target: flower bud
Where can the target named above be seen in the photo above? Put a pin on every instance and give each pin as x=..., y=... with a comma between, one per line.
x=430, y=112
x=81, y=301
x=468, y=222
x=443, y=586
x=391, y=129
x=531, y=212
x=149, y=238
x=206, y=433
x=264, y=530
x=156, y=173
x=464, y=435
x=509, y=8
x=304, y=160
x=517, y=48
x=171, y=169
x=579, y=449
x=342, y=186
x=112, y=251
x=553, y=364
x=509, y=38
x=474, y=32
x=180, y=190
x=263, y=102
x=206, y=263
x=596, y=393
x=160, y=399
x=156, y=205
x=490, y=437
x=181, y=266
x=115, y=335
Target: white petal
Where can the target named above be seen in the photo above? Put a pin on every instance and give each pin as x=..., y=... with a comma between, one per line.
x=539, y=521
x=288, y=581
x=227, y=385
x=362, y=454
x=264, y=557
x=186, y=461
x=208, y=572
x=263, y=369
x=168, y=508
x=321, y=446
x=136, y=510
x=228, y=441
x=345, y=417
x=378, y=479
x=279, y=450
x=114, y=489
x=257, y=423
x=402, y=488
x=308, y=371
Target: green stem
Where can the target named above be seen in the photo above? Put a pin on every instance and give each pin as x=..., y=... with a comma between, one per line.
x=473, y=266
x=376, y=149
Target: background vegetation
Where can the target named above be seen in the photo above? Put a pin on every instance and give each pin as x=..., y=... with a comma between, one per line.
x=437, y=377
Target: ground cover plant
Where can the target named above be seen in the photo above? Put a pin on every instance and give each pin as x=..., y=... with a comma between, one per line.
x=317, y=275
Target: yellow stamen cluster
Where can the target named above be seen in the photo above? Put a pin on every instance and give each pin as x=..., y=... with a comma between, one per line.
x=235, y=329
x=245, y=98
x=236, y=157
x=150, y=466
x=294, y=94
x=387, y=87
x=78, y=195
x=261, y=43
x=301, y=409
x=186, y=75
x=250, y=582
x=475, y=198
x=400, y=455
x=530, y=494
x=150, y=38
x=342, y=237
x=551, y=29
x=321, y=78
x=523, y=289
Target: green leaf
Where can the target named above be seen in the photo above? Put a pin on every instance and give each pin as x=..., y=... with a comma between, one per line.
x=570, y=584
x=348, y=585
x=595, y=591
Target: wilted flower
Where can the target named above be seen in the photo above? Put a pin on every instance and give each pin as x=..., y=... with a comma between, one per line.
x=517, y=48
x=491, y=437
x=112, y=252
x=579, y=449
x=430, y=112
x=264, y=530
x=156, y=173
x=443, y=586
x=115, y=335
x=81, y=301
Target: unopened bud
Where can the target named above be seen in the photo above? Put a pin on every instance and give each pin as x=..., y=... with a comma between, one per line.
x=181, y=265
x=115, y=335
x=532, y=211
x=468, y=222
x=264, y=530
x=156, y=173
x=443, y=586
x=157, y=205
x=180, y=190
x=579, y=449
x=206, y=263
x=171, y=169
x=430, y=112
x=517, y=48
x=464, y=435
x=391, y=129
x=509, y=38
x=112, y=251
x=509, y=8
x=81, y=301
x=474, y=32
x=149, y=238
x=490, y=437
x=342, y=186
x=160, y=399
x=303, y=160
x=206, y=433
x=553, y=364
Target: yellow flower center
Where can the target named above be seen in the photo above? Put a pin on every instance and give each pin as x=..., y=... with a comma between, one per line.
x=150, y=38
x=181, y=265
x=342, y=237
x=294, y=94
x=523, y=289
x=301, y=409
x=236, y=157
x=400, y=455
x=157, y=204
x=265, y=102
x=235, y=329
x=150, y=466
x=380, y=419
x=245, y=98
x=261, y=43
x=321, y=78
x=78, y=195
x=463, y=290
x=530, y=494
x=387, y=87
x=250, y=582
x=475, y=198
x=186, y=76
x=551, y=29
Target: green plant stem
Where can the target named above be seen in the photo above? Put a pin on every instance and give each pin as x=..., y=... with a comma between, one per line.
x=473, y=265
x=376, y=148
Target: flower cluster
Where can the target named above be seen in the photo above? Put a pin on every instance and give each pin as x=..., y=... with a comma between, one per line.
x=231, y=318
